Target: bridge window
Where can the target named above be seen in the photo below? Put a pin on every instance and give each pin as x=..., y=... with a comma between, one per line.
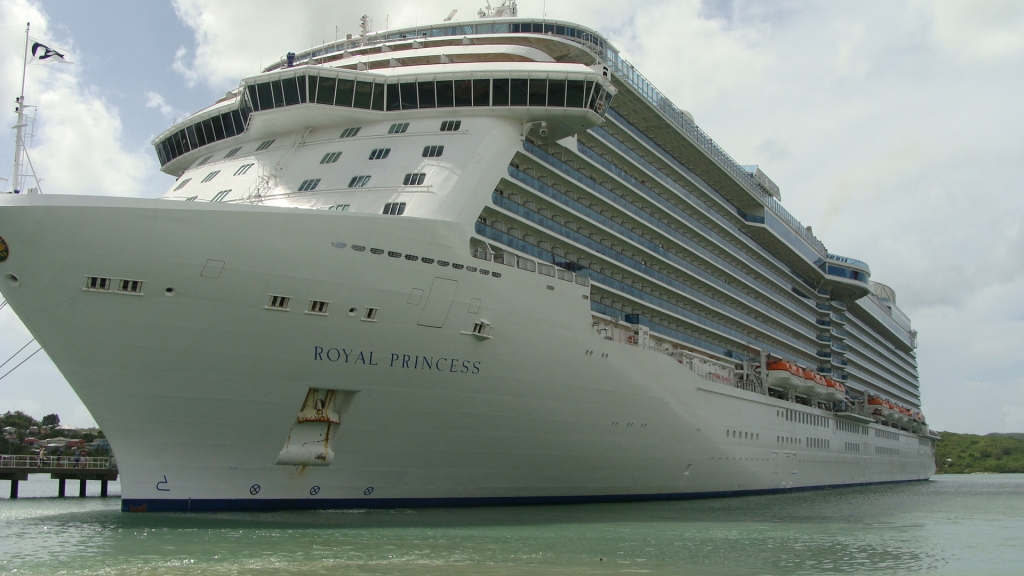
x=445, y=93
x=519, y=92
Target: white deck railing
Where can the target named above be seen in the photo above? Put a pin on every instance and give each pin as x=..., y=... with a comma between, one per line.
x=61, y=462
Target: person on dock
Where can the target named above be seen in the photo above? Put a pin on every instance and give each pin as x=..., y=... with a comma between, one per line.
x=42, y=454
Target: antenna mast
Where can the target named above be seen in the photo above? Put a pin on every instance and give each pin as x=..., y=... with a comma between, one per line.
x=19, y=135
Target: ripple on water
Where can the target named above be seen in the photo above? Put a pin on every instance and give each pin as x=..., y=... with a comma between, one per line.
x=961, y=525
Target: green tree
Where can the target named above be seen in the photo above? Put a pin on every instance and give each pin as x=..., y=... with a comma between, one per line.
x=50, y=420
x=17, y=420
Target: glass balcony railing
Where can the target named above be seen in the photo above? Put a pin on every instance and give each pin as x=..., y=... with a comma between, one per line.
x=630, y=75
x=839, y=332
x=655, y=223
x=637, y=266
x=850, y=261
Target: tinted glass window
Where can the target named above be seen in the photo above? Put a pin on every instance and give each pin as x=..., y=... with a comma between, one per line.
x=266, y=100
x=229, y=126
x=500, y=95
x=176, y=140
x=463, y=92
x=426, y=93
x=445, y=94
x=278, y=91
x=595, y=97
x=556, y=93
x=408, y=91
x=519, y=93
x=325, y=90
x=301, y=82
x=218, y=128
x=291, y=92
x=208, y=128
x=313, y=82
x=481, y=92
x=574, y=93
x=236, y=116
x=251, y=88
x=378, y=97
x=345, y=90
x=393, y=99
x=364, y=92
x=538, y=92
x=191, y=131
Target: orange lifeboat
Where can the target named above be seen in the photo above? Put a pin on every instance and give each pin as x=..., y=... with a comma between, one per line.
x=813, y=384
x=834, y=391
x=784, y=375
x=877, y=407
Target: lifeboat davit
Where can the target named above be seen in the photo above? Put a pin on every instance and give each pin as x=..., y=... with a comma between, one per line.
x=784, y=376
x=834, y=391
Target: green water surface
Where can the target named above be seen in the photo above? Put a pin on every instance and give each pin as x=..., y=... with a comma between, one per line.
x=949, y=525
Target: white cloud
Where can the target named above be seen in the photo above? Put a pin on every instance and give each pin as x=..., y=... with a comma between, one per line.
x=77, y=147
x=158, y=102
x=986, y=31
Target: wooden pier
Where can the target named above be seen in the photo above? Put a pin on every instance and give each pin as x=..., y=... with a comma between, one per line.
x=61, y=468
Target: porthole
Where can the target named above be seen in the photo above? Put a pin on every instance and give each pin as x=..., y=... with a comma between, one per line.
x=352, y=311
x=169, y=291
x=12, y=280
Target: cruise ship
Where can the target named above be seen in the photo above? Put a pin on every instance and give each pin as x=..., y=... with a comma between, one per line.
x=472, y=263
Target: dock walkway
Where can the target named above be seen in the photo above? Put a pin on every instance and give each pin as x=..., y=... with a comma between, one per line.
x=62, y=468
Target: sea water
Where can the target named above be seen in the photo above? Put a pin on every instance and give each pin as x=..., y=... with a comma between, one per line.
x=949, y=525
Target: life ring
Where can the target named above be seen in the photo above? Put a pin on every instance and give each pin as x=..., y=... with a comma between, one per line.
x=631, y=339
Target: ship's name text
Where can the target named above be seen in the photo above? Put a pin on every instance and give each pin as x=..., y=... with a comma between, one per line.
x=412, y=362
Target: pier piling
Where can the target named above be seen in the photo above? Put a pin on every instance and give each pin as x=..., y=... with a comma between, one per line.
x=60, y=488
x=14, y=489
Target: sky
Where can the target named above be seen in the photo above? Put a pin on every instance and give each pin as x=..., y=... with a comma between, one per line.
x=893, y=127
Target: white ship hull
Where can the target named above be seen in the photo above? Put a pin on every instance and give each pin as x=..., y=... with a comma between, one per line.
x=198, y=392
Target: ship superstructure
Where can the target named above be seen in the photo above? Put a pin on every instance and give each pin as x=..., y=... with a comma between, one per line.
x=469, y=263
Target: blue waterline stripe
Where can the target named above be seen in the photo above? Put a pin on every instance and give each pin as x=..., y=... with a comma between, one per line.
x=269, y=504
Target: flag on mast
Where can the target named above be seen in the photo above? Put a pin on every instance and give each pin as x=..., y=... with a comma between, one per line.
x=41, y=53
